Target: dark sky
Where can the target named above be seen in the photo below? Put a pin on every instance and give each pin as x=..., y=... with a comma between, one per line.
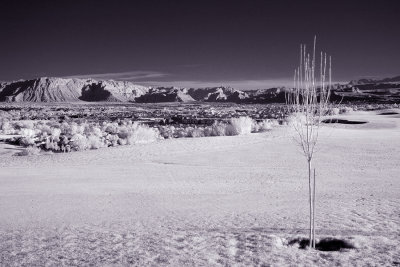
x=247, y=44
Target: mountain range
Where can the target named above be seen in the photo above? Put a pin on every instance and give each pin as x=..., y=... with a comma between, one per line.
x=52, y=89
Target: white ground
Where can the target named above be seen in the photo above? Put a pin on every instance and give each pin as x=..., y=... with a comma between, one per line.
x=205, y=201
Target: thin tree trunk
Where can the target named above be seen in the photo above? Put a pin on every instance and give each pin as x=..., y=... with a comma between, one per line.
x=310, y=202
x=313, y=219
x=309, y=98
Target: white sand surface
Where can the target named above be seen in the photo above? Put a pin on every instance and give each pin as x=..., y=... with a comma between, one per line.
x=206, y=201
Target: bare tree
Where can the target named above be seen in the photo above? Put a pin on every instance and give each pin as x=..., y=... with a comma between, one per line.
x=308, y=103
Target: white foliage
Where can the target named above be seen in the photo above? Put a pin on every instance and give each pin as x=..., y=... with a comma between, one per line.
x=333, y=111
x=345, y=110
x=25, y=132
x=241, y=125
x=79, y=142
x=6, y=127
x=81, y=135
x=218, y=129
x=94, y=142
x=262, y=126
x=142, y=134
x=29, y=151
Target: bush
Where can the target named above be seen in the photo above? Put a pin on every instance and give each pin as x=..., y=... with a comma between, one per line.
x=78, y=142
x=197, y=132
x=94, y=142
x=262, y=126
x=333, y=111
x=345, y=110
x=241, y=125
x=142, y=134
x=6, y=127
x=29, y=151
x=25, y=124
x=218, y=129
x=26, y=141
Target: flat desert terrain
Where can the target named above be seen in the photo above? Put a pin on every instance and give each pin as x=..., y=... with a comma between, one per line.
x=212, y=201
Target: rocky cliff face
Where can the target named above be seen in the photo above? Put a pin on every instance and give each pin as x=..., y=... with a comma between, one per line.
x=272, y=95
x=69, y=90
x=41, y=90
x=217, y=94
x=369, y=90
x=165, y=94
x=89, y=90
x=375, y=81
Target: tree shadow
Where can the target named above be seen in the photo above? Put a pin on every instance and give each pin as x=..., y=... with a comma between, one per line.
x=326, y=244
x=388, y=113
x=342, y=121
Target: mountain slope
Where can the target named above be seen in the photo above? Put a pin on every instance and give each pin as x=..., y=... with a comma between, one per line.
x=217, y=94
x=89, y=90
x=369, y=90
x=375, y=81
x=165, y=94
x=41, y=90
x=69, y=90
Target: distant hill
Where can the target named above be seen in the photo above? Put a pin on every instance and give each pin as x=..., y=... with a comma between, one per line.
x=271, y=95
x=89, y=90
x=385, y=90
x=165, y=94
x=375, y=81
x=74, y=90
x=217, y=94
x=69, y=90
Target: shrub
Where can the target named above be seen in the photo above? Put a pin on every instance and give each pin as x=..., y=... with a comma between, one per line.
x=142, y=134
x=78, y=142
x=197, y=132
x=29, y=151
x=25, y=124
x=43, y=128
x=123, y=132
x=333, y=111
x=94, y=142
x=56, y=132
x=230, y=130
x=6, y=127
x=262, y=126
x=111, y=140
x=52, y=144
x=218, y=129
x=111, y=128
x=345, y=110
x=26, y=141
x=241, y=125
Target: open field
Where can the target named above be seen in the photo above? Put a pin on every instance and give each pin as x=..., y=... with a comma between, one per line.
x=229, y=200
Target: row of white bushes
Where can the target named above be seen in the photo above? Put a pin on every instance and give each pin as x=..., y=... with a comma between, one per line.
x=50, y=135
x=235, y=126
x=72, y=136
